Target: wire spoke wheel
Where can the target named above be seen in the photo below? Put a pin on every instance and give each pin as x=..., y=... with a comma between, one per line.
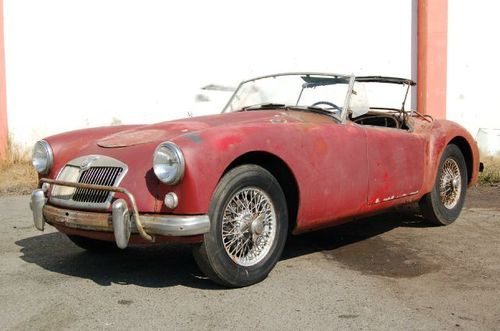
x=248, y=226
x=450, y=184
x=443, y=204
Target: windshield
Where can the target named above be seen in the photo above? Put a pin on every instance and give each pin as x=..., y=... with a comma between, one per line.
x=310, y=91
x=384, y=96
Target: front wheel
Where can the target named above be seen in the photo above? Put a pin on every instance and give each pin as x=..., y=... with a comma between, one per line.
x=249, y=222
x=443, y=204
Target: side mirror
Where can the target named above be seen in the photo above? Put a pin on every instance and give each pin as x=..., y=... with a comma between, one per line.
x=358, y=104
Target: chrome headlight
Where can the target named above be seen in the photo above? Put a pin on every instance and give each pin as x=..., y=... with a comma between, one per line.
x=42, y=157
x=168, y=163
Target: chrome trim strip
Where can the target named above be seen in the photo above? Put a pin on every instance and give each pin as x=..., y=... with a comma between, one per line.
x=95, y=160
x=177, y=225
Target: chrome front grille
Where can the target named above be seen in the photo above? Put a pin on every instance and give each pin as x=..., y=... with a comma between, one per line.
x=90, y=169
x=98, y=176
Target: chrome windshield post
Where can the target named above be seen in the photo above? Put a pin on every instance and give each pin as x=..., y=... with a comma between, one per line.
x=347, y=101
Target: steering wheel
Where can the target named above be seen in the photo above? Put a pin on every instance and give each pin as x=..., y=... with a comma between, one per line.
x=331, y=104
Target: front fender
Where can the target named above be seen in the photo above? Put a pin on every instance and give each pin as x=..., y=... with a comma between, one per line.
x=441, y=133
x=208, y=154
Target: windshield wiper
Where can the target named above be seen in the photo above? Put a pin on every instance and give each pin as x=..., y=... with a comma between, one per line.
x=264, y=106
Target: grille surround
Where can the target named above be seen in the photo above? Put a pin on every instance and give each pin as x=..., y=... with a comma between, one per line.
x=90, y=169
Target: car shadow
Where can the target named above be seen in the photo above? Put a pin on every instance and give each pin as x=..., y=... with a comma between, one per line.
x=352, y=232
x=171, y=265
x=156, y=266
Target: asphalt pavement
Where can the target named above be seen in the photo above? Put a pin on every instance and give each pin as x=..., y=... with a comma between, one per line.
x=392, y=271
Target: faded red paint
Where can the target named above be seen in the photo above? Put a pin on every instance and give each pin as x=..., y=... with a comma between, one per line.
x=227, y=142
x=342, y=170
x=395, y=162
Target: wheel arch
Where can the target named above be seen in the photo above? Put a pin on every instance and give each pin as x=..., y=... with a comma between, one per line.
x=281, y=171
x=466, y=150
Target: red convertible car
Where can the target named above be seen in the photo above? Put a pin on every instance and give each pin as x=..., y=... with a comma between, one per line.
x=290, y=153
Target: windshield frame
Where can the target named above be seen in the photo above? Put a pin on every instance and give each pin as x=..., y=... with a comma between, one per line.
x=343, y=114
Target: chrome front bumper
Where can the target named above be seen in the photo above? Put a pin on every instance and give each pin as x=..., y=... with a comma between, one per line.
x=121, y=221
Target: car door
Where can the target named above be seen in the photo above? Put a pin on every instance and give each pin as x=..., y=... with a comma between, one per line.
x=335, y=183
x=395, y=163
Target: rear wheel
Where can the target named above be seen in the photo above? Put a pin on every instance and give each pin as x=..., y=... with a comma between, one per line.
x=93, y=245
x=249, y=221
x=444, y=203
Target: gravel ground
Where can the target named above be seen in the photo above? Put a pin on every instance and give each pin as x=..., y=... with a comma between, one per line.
x=392, y=271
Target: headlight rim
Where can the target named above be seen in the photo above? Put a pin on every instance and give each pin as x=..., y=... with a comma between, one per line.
x=50, y=156
x=180, y=157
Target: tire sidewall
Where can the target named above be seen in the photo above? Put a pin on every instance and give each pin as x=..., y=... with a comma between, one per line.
x=445, y=215
x=235, y=180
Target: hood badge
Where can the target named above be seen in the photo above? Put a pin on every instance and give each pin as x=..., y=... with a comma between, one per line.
x=88, y=162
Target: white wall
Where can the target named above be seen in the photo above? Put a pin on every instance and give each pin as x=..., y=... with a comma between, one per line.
x=73, y=64
x=473, y=70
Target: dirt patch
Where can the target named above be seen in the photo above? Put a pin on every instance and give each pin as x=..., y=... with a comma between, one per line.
x=376, y=256
x=125, y=302
x=483, y=196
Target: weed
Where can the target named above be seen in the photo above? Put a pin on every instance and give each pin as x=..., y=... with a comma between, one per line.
x=491, y=172
x=17, y=175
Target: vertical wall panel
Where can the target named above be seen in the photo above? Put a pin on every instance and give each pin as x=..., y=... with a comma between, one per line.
x=3, y=102
x=75, y=64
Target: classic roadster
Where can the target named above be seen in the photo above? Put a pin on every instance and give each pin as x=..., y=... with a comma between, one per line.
x=290, y=153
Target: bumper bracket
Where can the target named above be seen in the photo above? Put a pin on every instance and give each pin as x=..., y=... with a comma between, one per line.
x=124, y=221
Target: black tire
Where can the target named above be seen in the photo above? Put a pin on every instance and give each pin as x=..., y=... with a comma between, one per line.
x=93, y=245
x=433, y=208
x=211, y=255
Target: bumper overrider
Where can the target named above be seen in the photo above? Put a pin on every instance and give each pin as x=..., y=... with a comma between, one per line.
x=122, y=221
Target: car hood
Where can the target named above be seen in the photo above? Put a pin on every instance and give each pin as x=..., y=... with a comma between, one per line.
x=149, y=133
x=168, y=130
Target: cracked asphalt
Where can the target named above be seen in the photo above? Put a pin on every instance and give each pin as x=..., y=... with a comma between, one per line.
x=392, y=271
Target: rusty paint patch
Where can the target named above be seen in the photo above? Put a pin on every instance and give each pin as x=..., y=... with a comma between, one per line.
x=130, y=138
x=194, y=137
x=320, y=147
